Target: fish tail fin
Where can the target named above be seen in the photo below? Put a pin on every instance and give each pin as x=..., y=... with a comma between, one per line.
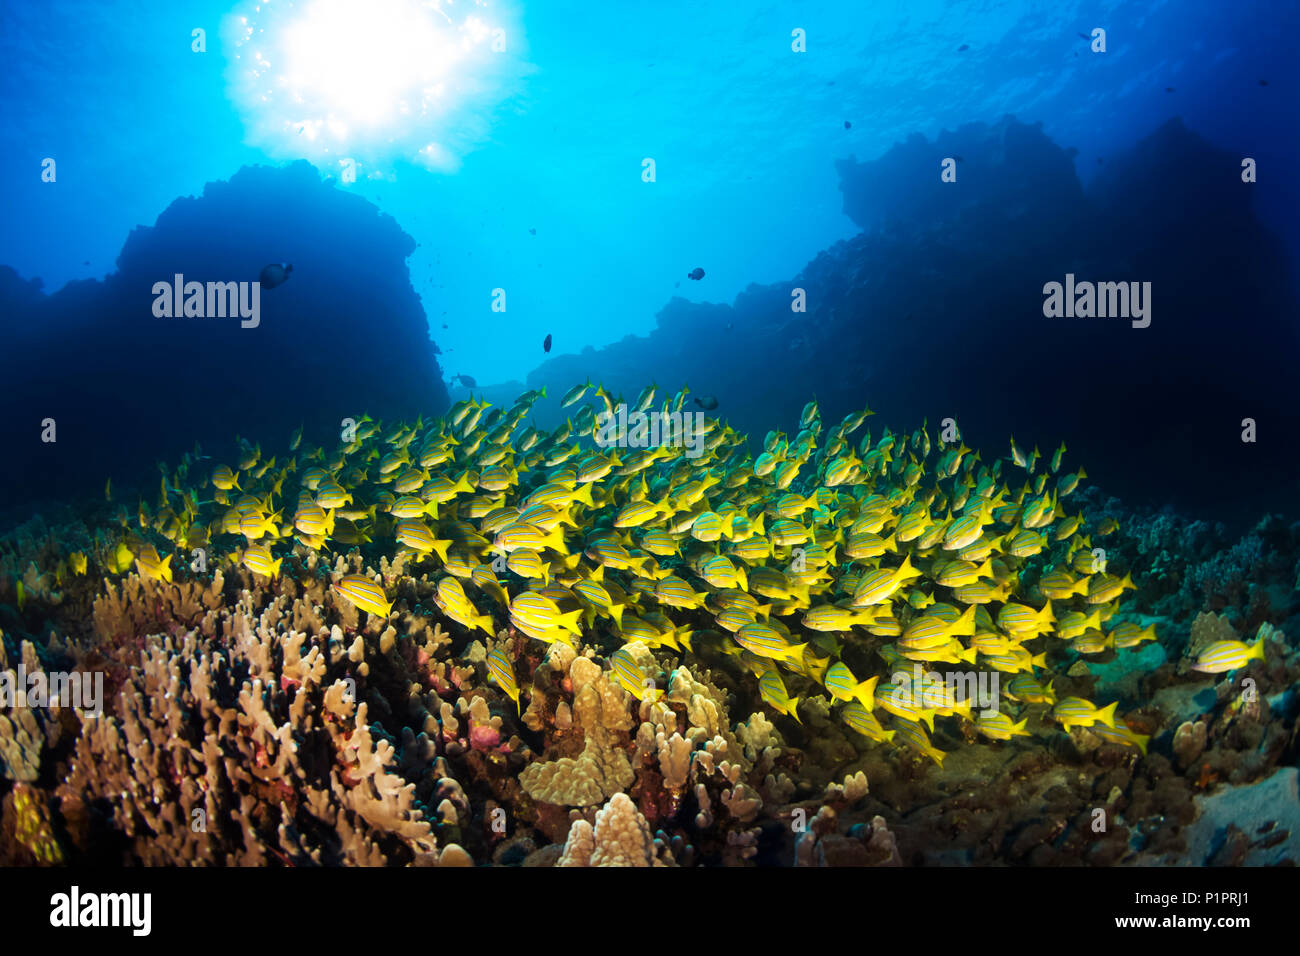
x=555, y=540
x=1107, y=714
x=905, y=568
x=865, y=692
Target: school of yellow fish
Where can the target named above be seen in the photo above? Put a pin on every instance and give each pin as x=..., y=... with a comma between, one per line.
x=907, y=545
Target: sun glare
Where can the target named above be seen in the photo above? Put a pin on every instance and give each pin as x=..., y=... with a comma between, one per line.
x=368, y=80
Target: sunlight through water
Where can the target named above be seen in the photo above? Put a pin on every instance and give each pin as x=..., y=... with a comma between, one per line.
x=371, y=82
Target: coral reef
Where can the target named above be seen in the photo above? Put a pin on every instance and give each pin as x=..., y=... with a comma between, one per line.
x=340, y=707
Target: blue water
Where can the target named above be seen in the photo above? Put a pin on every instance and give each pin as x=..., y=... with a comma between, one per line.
x=550, y=135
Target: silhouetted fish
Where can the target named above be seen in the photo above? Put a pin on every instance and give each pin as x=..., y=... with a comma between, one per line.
x=532, y=232
x=467, y=380
x=963, y=47
x=1169, y=89
x=706, y=402
x=1263, y=82
x=546, y=345
x=697, y=273
x=277, y=273
x=848, y=125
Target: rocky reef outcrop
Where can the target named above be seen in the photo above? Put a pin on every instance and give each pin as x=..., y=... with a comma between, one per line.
x=936, y=311
x=345, y=335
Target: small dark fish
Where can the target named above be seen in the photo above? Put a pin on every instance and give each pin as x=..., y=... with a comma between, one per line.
x=1085, y=36
x=86, y=263
x=546, y=345
x=848, y=125
x=532, y=232
x=1169, y=89
x=697, y=273
x=277, y=273
x=963, y=48
x=444, y=325
x=1263, y=82
x=466, y=380
x=960, y=159
x=706, y=402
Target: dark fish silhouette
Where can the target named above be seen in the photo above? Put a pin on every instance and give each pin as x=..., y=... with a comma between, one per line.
x=1169, y=89
x=532, y=232
x=1085, y=36
x=697, y=273
x=277, y=273
x=546, y=345
x=960, y=159
x=848, y=125
x=467, y=380
x=963, y=48
x=706, y=402
x=1263, y=82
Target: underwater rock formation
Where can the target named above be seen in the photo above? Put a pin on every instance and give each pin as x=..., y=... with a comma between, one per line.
x=345, y=335
x=930, y=312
